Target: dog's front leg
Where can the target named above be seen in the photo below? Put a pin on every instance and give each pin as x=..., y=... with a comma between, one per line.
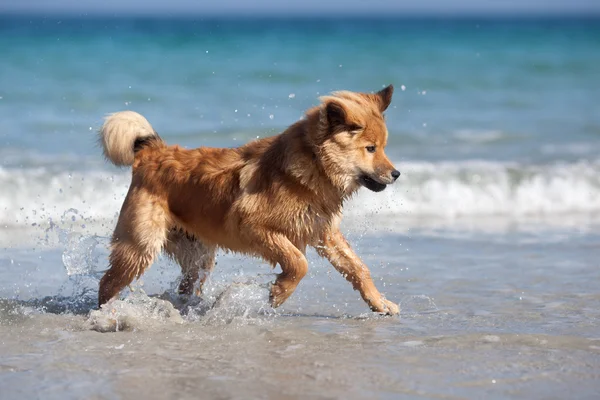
x=277, y=249
x=336, y=249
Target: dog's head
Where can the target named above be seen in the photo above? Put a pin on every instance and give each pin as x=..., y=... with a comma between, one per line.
x=353, y=136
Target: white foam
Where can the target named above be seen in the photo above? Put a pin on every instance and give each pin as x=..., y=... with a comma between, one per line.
x=475, y=188
x=442, y=190
x=34, y=195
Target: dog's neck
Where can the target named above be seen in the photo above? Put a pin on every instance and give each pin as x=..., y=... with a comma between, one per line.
x=308, y=162
x=316, y=133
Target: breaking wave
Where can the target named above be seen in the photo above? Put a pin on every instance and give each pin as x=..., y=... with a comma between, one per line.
x=477, y=188
x=31, y=196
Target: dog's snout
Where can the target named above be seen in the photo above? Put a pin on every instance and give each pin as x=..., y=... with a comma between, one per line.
x=395, y=174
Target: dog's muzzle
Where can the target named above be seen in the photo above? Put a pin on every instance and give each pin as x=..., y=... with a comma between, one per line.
x=376, y=185
x=371, y=183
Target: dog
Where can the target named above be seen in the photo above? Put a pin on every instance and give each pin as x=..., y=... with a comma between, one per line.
x=270, y=198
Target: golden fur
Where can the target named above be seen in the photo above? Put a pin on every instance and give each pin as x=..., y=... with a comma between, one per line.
x=270, y=198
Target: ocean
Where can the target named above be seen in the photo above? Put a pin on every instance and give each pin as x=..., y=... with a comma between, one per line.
x=490, y=239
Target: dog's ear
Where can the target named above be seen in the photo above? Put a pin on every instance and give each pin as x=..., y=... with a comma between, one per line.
x=336, y=115
x=384, y=97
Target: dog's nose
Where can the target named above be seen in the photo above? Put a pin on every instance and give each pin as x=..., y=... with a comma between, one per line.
x=395, y=174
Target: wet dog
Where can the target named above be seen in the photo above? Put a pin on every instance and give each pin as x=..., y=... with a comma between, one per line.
x=270, y=198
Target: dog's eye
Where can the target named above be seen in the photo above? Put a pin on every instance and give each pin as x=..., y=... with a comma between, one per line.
x=371, y=149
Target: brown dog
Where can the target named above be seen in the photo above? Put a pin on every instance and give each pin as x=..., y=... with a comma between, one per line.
x=270, y=198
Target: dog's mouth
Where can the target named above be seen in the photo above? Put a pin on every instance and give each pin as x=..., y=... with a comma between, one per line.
x=371, y=184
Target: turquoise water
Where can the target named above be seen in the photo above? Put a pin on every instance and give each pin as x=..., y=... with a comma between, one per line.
x=533, y=83
x=489, y=240
x=519, y=95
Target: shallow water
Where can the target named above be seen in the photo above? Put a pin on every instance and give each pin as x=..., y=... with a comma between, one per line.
x=486, y=312
x=490, y=240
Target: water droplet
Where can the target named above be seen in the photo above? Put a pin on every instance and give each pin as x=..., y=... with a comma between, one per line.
x=271, y=116
x=291, y=95
x=403, y=87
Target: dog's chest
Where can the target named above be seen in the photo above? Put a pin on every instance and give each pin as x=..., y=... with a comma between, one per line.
x=310, y=223
x=316, y=218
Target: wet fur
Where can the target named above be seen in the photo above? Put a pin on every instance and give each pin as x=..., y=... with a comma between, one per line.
x=270, y=198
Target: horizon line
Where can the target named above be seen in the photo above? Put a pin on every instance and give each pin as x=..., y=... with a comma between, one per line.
x=183, y=14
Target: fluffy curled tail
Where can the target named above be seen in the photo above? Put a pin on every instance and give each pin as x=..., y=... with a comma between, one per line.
x=122, y=134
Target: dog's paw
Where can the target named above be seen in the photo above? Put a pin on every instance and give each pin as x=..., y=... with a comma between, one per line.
x=277, y=296
x=386, y=307
x=391, y=308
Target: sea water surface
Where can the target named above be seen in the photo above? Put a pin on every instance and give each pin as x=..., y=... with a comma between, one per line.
x=490, y=240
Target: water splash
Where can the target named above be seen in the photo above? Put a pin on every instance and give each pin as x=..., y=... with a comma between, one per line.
x=237, y=304
x=241, y=303
x=418, y=304
x=137, y=311
x=81, y=257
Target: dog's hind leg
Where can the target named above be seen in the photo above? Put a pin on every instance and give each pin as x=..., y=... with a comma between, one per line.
x=140, y=234
x=196, y=259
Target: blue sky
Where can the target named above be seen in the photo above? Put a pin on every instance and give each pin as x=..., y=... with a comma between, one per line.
x=330, y=7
